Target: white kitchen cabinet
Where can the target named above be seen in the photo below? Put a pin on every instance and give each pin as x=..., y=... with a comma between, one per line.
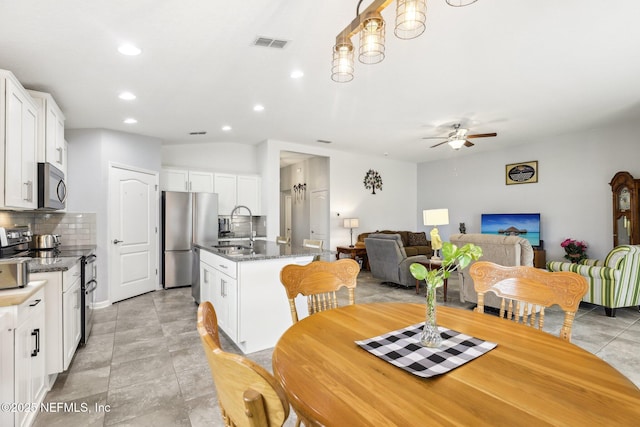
x=249, y=192
x=18, y=131
x=186, y=180
x=219, y=286
x=63, y=315
x=51, y=146
x=71, y=322
x=6, y=365
x=234, y=190
x=23, y=334
x=225, y=186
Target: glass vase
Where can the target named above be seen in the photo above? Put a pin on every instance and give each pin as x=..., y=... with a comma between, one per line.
x=430, y=336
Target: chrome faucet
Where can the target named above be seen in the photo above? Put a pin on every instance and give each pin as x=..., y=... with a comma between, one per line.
x=250, y=222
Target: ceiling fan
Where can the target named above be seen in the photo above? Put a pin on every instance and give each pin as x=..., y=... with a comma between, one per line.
x=459, y=137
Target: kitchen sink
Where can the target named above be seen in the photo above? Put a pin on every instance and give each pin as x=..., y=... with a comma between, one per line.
x=232, y=247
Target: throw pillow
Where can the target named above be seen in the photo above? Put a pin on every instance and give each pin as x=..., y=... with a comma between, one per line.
x=418, y=239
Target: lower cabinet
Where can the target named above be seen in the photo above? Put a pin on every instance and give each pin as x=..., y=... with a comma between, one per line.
x=220, y=289
x=71, y=322
x=27, y=340
x=63, y=316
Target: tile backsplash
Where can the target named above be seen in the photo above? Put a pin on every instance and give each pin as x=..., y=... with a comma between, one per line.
x=73, y=228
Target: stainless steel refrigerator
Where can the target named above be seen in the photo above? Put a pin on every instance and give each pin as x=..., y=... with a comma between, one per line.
x=187, y=218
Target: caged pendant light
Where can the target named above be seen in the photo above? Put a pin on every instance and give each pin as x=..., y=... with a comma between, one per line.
x=460, y=3
x=411, y=16
x=372, y=39
x=342, y=64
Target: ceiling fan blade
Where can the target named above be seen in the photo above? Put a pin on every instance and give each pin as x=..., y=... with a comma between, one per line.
x=468, y=143
x=434, y=137
x=482, y=135
x=440, y=143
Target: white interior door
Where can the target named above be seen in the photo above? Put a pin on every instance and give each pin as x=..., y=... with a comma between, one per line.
x=133, y=213
x=319, y=216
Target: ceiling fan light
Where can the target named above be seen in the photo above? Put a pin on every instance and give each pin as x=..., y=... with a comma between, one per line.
x=456, y=144
x=371, y=49
x=460, y=3
x=411, y=16
x=343, y=63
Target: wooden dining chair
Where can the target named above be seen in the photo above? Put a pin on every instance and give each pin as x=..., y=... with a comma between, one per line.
x=526, y=291
x=319, y=281
x=248, y=395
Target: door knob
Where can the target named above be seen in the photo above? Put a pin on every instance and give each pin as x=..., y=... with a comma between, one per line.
x=116, y=241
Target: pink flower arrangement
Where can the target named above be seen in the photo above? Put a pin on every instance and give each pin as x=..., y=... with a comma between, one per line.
x=575, y=250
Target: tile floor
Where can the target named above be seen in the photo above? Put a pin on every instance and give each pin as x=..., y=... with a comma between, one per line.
x=144, y=361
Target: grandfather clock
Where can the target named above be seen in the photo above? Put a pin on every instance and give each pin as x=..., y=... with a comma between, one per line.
x=626, y=209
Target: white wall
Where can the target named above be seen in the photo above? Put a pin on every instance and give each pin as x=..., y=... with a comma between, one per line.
x=392, y=208
x=572, y=195
x=217, y=157
x=90, y=153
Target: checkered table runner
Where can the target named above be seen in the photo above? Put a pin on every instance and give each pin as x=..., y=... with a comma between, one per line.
x=402, y=348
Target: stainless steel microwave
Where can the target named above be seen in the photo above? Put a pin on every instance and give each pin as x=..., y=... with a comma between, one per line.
x=52, y=190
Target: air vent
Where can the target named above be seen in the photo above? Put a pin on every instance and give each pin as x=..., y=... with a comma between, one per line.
x=200, y=132
x=324, y=141
x=269, y=42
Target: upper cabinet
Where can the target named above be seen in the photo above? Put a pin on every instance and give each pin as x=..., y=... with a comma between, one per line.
x=186, y=180
x=51, y=146
x=18, y=131
x=234, y=190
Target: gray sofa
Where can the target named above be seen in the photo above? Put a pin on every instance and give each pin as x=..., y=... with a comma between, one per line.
x=388, y=260
x=504, y=250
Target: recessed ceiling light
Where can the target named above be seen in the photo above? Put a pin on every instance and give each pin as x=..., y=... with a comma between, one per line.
x=296, y=74
x=127, y=96
x=258, y=108
x=226, y=128
x=129, y=49
x=130, y=121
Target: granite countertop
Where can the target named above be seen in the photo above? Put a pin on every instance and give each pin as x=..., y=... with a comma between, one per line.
x=261, y=250
x=67, y=258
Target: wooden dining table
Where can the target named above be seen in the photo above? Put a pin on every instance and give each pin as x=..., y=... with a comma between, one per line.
x=531, y=378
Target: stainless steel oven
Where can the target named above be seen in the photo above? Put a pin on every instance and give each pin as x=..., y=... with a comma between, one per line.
x=89, y=286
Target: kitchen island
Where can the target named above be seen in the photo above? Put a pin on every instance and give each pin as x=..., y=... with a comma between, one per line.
x=243, y=284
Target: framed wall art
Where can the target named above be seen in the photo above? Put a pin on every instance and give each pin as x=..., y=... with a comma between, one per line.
x=521, y=173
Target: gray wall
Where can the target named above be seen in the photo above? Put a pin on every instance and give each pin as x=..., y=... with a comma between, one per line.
x=91, y=151
x=572, y=195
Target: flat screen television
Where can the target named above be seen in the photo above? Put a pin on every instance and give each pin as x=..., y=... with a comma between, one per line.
x=525, y=225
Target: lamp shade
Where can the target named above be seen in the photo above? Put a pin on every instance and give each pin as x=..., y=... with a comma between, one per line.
x=435, y=216
x=351, y=223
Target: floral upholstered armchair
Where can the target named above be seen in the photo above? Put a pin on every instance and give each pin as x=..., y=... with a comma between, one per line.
x=614, y=282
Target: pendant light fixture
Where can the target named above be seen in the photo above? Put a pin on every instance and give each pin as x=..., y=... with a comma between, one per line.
x=410, y=23
x=342, y=64
x=460, y=3
x=372, y=39
x=411, y=16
